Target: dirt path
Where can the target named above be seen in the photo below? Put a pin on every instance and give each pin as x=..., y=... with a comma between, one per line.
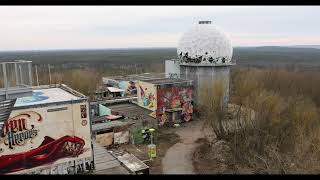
x=178, y=159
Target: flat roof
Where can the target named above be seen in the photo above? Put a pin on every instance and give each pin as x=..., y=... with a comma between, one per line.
x=167, y=81
x=108, y=125
x=134, y=113
x=134, y=77
x=113, y=89
x=45, y=96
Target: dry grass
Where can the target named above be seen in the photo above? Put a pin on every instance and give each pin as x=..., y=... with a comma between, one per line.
x=284, y=135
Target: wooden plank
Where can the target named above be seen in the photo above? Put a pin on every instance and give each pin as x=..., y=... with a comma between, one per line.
x=132, y=163
x=107, y=165
x=105, y=157
x=101, y=160
x=115, y=170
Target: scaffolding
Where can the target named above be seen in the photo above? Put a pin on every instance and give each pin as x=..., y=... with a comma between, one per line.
x=15, y=79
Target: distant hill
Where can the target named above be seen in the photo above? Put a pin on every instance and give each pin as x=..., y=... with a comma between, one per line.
x=307, y=46
x=255, y=56
x=277, y=55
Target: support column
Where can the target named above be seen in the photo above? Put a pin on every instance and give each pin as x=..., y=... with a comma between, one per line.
x=30, y=74
x=5, y=80
x=16, y=73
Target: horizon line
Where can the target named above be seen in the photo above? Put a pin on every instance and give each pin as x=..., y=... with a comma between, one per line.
x=81, y=49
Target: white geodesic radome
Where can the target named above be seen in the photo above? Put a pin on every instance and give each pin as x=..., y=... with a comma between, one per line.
x=205, y=44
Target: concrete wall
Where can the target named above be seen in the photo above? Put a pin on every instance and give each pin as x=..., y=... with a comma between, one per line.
x=206, y=74
x=172, y=69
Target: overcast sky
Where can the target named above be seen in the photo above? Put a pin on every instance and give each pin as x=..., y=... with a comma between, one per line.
x=74, y=27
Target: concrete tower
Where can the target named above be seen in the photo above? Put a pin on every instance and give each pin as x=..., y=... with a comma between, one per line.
x=204, y=55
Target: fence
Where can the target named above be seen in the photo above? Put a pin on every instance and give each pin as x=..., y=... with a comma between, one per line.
x=15, y=79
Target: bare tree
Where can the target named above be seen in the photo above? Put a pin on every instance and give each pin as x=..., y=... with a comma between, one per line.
x=213, y=107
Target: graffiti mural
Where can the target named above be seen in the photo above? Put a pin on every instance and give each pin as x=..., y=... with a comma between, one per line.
x=16, y=131
x=186, y=58
x=174, y=104
x=71, y=167
x=49, y=151
x=36, y=97
x=147, y=95
x=129, y=87
x=39, y=141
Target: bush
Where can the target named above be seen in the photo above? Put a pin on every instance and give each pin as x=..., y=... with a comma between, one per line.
x=283, y=136
x=285, y=127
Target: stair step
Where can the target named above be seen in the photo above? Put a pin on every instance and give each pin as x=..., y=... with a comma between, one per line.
x=5, y=109
x=3, y=118
x=7, y=102
x=5, y=113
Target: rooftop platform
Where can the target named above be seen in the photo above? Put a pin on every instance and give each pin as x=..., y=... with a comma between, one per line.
x=109, y=125
x=136, y=77
x=49, y=94
x=167, y=81
x=134, y=114
x=131, y=110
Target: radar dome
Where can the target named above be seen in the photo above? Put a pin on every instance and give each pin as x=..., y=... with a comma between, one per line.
x=205, y=44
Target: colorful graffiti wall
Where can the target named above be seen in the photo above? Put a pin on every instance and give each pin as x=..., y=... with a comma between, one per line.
x=129, y=87
x=45, y=139
x=147, y=95
x=174, y=104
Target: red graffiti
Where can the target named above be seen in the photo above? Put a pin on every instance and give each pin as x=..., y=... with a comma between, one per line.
x=49, y=151
x=174, y=99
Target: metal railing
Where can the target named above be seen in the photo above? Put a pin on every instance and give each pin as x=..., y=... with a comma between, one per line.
x=15, y=79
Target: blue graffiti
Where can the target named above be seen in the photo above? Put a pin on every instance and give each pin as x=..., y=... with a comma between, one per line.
x=36, y=97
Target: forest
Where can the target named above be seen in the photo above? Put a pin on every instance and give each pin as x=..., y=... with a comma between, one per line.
x=279, y=84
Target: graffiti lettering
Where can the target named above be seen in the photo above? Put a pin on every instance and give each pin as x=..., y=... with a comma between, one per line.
x=14, y=139
x=15, y=131
x=15, y=125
